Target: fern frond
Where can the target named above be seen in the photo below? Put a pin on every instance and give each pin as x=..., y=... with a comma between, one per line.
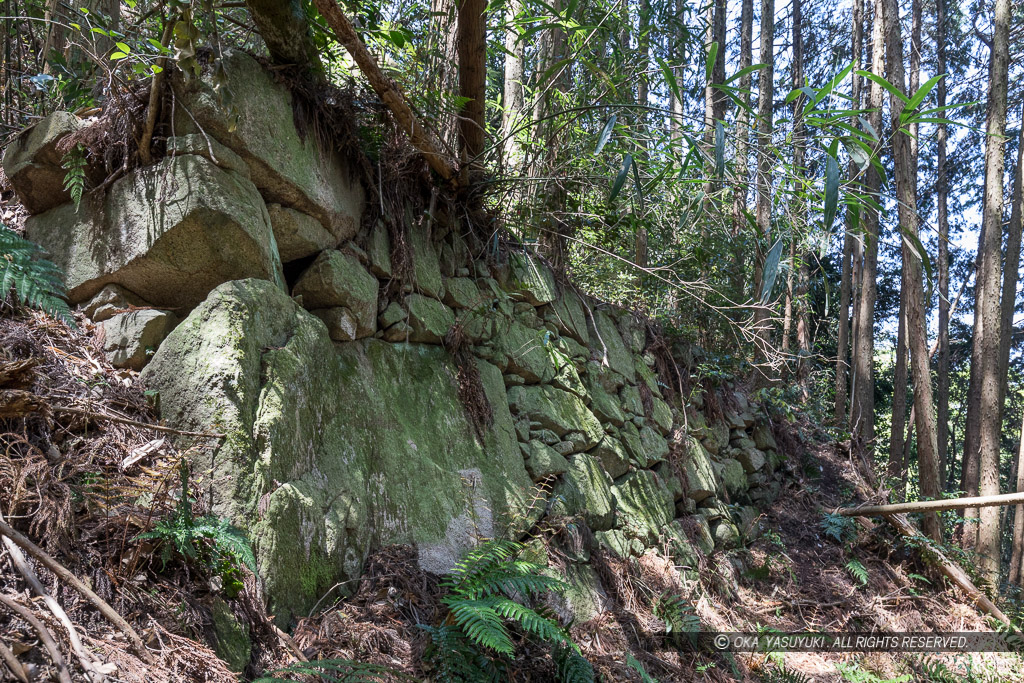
x=341, y=670
x=572, y=667
x=531, y=622
x=482, y=624
x=633, y=664
x=227, y=538
x=34, y=281
x=858, y=571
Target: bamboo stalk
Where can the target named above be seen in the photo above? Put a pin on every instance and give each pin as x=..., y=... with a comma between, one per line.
x=934, y=505
x=420, y=137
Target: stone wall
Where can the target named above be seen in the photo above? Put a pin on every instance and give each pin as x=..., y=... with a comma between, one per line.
x=346, y=416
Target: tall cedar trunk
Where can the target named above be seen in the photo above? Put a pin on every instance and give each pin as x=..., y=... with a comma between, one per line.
x=1011, y=268
x=442, y=48
x=714, y=98
x=803, y=328
x=513, y=103
x=796, y=80
x=987, y=411
x=899, y=397
x=643, y=42
x=678, y=42
x=862, y=407
x=554, y=230
x=1017, y=547
x=763, y=184
x=906, y=190
x=846, y=268
x=942, y=209
x=472, y=50
x=742, y=167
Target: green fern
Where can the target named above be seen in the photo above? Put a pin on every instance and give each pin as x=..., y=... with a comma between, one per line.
x=842, y=529
x=34, y=281
x=74, y=180
x=780, y=673
x=485, y=594
x=572, y=667
x=339, y=670
x=858, y=571
x=636, y=666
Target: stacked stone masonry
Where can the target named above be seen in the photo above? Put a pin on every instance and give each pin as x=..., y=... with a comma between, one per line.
x=345, y=431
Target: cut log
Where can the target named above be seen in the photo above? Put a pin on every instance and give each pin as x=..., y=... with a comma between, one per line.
x=420, y=137
x=935, y=505
x=950, y=570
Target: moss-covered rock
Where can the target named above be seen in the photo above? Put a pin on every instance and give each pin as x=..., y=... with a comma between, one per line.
x=426, y=267
x=732, y=475
x=613, y=456
x=429, y=319
x=643, y=503
x=700, y=476
x=297, y=234
x=557, y=410
x=329, y=452
x=542, y=461
x=231, y=639
x=586, y=490
x=607, y=341
x=33, y=165
x=530, y=280
x=337, y=279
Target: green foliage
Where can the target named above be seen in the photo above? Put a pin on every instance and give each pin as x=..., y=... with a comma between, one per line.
x=855, y=674
x=571, y=666
x=842, y=530
x=335, y=671
x=780, y=673
x=484, y=594
x=679, y=616
x=636, y=666
x=74, y=179
x=34, y=281
x=858, y=571
x=210, y=542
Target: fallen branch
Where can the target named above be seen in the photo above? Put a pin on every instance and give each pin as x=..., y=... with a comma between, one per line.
x=386, y=89
x=948, y=568
x=934, y=505
x=44, y=635
x=17, y=374
x=18, y=403
x=15, y=667
x=62, y=573
x=134, y=423
x=96, y=671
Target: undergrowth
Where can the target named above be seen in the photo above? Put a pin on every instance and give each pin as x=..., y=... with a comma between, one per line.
x=32, y=280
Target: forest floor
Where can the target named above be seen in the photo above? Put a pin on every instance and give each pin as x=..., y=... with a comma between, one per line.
x=84, y=485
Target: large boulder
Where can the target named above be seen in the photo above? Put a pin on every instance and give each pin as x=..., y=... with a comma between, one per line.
x=530, y=280
x=170, y=233
x=33, y=164
x=336, y=279
x=586, y=491
x=334, y=451
x=605, y=337
x=645, y=504
x=289, y=164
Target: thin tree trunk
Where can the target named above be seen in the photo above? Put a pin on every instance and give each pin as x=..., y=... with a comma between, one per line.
x=471, y=45
x=1017, y=547
x=862, y=409
x=895, y=469
x=942, y=190
x=986, y=411
x=906, y=190
x=763, y=213
x=285, y=30
x=742, y=166
x=1011, y=268
x=513, y=104
x=846, y=269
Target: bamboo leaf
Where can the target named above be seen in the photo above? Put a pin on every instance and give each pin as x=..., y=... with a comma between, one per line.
x=886, y=85
x=771, y=270
x=712, y=55
x=831, y=191
x=606, y=133
x=913, y=242
x=923, y=91
x=620, y=179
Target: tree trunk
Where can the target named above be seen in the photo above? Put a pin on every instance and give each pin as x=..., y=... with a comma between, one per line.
x=513, y=103
x=741, y=166
x=862, y=409
x=917, y=334
x=763, y=184
x=846, y=268
x=1017, y=547
x=986, y=411
x=1010, y=269
x=942, y=209
x=285, y=30
x=471, y=45
x=895, y=469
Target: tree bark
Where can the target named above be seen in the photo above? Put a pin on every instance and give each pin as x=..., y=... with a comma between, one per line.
x=934, y=505
x=1011, y=267
x=742, y=162
x=471, y=44
x=846, y=268
x=986, y=411
x=917, y=334
x=513, y=102
x=1016, y=575
x=285, y=30
x=895, y=469
x=862, y=408
x=942, y=210
x=763, y=183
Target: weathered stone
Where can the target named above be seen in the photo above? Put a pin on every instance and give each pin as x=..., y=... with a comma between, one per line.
x=545, y=436
x=751, y=459
x=527, y=352
x=399, y=332
x=565, y=448
x=700, y=477
x=702, y=534
x=543, y=461
x=567, y=313
x=462, y=292
x=645, y=445
x=629, y=397
x=341, y=324
x=232, y=641
x=719, y=436
x=604, y=405
x=619, y=357
x=288, y=166
x=632, y=331
x=33, y=164
x=732, y=475
x=672, y=482
x=585, y=490
x=170, y=232
x=331, y=450
x=662, y=415
x=680, y=548
x=110, y=301
x=378, y=248
x=615, y=542
x=338, y=279
x=392, y=314
x=530, y=280
x=426, y=269
x=130, y=339
x=209, y=149
x=726, y=535
x=646, y=375
x=763, y=437
x=584, y=598
x=430, y=319
x=613, y=457
x=742, y=444
x=297, y=234
x=644, y=504
x=557, y=410
x=567, y=379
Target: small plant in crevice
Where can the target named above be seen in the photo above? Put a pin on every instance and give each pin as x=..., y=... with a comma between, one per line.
x=31, y=280
x=209, y=542
x=485, y=594
x=74, y=165
x=843, y=530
